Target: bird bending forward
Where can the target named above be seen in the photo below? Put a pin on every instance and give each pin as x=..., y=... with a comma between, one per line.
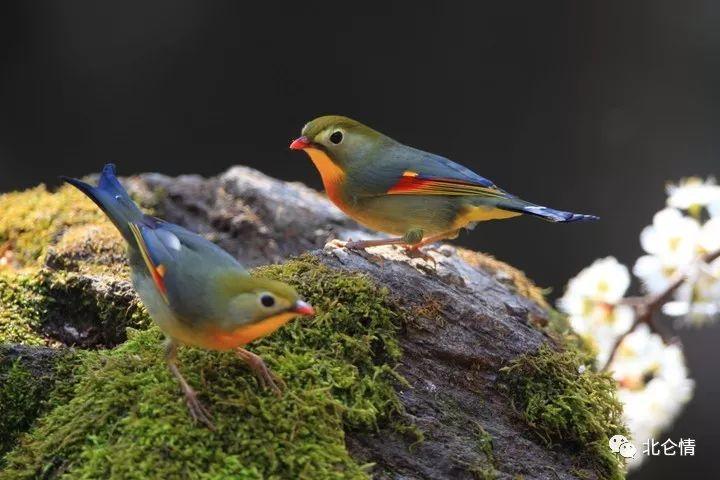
x=197, y=293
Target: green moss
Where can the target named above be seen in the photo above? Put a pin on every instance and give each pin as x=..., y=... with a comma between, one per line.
x=485, y=471
x=26, y=382
x=564, y=406
x=22, y=307
x=36, y=306
x=125, y=418
x=20, y=396
x=34, y=218
x=485, y=443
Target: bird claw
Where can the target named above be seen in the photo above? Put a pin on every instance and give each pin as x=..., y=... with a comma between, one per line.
x=198, y=411
x=266, y=377
x=269, y=380
x=416, y=252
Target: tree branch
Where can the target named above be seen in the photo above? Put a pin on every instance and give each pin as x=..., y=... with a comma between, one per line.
x=646, y=307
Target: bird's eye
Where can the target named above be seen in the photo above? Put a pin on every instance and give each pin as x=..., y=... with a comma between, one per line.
x=267, y=300
x=336, y=137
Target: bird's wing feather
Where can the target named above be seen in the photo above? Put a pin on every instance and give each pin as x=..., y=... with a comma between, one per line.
x=435, y=175
x=435, y=166
x=172, y=253
x=414, y=183
x=155, y=254
x=409, y=171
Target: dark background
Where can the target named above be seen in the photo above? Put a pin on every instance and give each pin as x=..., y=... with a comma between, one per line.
x=588, y=106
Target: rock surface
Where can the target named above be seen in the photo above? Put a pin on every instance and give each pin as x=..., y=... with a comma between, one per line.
x=465, y=316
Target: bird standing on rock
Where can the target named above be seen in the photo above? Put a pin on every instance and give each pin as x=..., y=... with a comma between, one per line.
x=393, y=188
x=197, y=293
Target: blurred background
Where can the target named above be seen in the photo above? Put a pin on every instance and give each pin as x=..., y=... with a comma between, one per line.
x=587, y=106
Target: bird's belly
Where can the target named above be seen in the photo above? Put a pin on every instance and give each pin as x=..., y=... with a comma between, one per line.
x=397, y=214
x=166, y=319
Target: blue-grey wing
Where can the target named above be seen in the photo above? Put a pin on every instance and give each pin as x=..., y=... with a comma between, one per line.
x=386, y=169
x=184, y=267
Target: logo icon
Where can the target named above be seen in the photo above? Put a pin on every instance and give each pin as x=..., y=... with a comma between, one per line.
x=621, y=445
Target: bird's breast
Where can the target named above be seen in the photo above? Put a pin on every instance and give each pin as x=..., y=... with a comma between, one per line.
x=332, y=175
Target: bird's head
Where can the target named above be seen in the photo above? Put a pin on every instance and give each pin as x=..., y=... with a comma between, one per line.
x=255, y=299
x=336, y=143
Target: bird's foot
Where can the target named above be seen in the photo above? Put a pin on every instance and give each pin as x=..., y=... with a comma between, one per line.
x=414, y=251
x=266, y=377
x=197, y=410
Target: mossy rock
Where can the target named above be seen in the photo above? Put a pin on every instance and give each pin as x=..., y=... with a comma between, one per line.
x=126, y=419
x=565, y=400
x=397, y=376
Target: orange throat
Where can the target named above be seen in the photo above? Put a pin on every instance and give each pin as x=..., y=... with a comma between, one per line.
x=221, y=340
x=332, y=175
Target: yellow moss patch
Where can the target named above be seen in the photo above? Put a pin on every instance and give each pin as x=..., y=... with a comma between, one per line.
x=91, y=248
x=522, y=284
x=32, y=219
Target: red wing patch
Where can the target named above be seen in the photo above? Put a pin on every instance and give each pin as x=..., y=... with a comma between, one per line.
x=157, y=272
x=411, y=183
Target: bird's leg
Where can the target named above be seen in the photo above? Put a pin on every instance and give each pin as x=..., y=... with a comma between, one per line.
x=413, y=249
x=264, y=375
x=363, y=244
x=434, y=238
x=197, y=411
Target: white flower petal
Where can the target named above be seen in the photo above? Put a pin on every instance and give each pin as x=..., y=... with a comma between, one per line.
x=714, y=209
x=653, y=383
x=693, y=192
x=650, y=270
x=709, y=238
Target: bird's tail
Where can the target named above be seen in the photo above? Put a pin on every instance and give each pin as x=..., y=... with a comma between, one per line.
x=549, y=214
x=112, y=198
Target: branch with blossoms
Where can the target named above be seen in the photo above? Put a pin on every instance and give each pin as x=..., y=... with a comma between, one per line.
x=647, y=307
x=680, y=276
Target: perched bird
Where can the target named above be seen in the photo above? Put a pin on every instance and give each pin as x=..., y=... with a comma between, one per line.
x=418, y=196
x=197, y=293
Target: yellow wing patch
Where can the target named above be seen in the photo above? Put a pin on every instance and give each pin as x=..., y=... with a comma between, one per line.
x=157, y=272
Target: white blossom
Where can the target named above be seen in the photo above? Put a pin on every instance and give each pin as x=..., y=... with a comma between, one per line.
x=693, y=193
x=673, y=237
x=697, y=301
x=709, y=238
x=653, y=384
x=671, y=242
x=714, y=209
x=591, y=302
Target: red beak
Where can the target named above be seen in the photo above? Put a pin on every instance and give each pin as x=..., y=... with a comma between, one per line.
x=300, y=143
x=303, y=308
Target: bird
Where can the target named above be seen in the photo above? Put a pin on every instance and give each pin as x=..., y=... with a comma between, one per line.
x=417, y=197
x=197, y=293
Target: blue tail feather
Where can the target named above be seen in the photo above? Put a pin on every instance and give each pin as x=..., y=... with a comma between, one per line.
x=553, y=215
x=112, y=198
x=515, y=204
